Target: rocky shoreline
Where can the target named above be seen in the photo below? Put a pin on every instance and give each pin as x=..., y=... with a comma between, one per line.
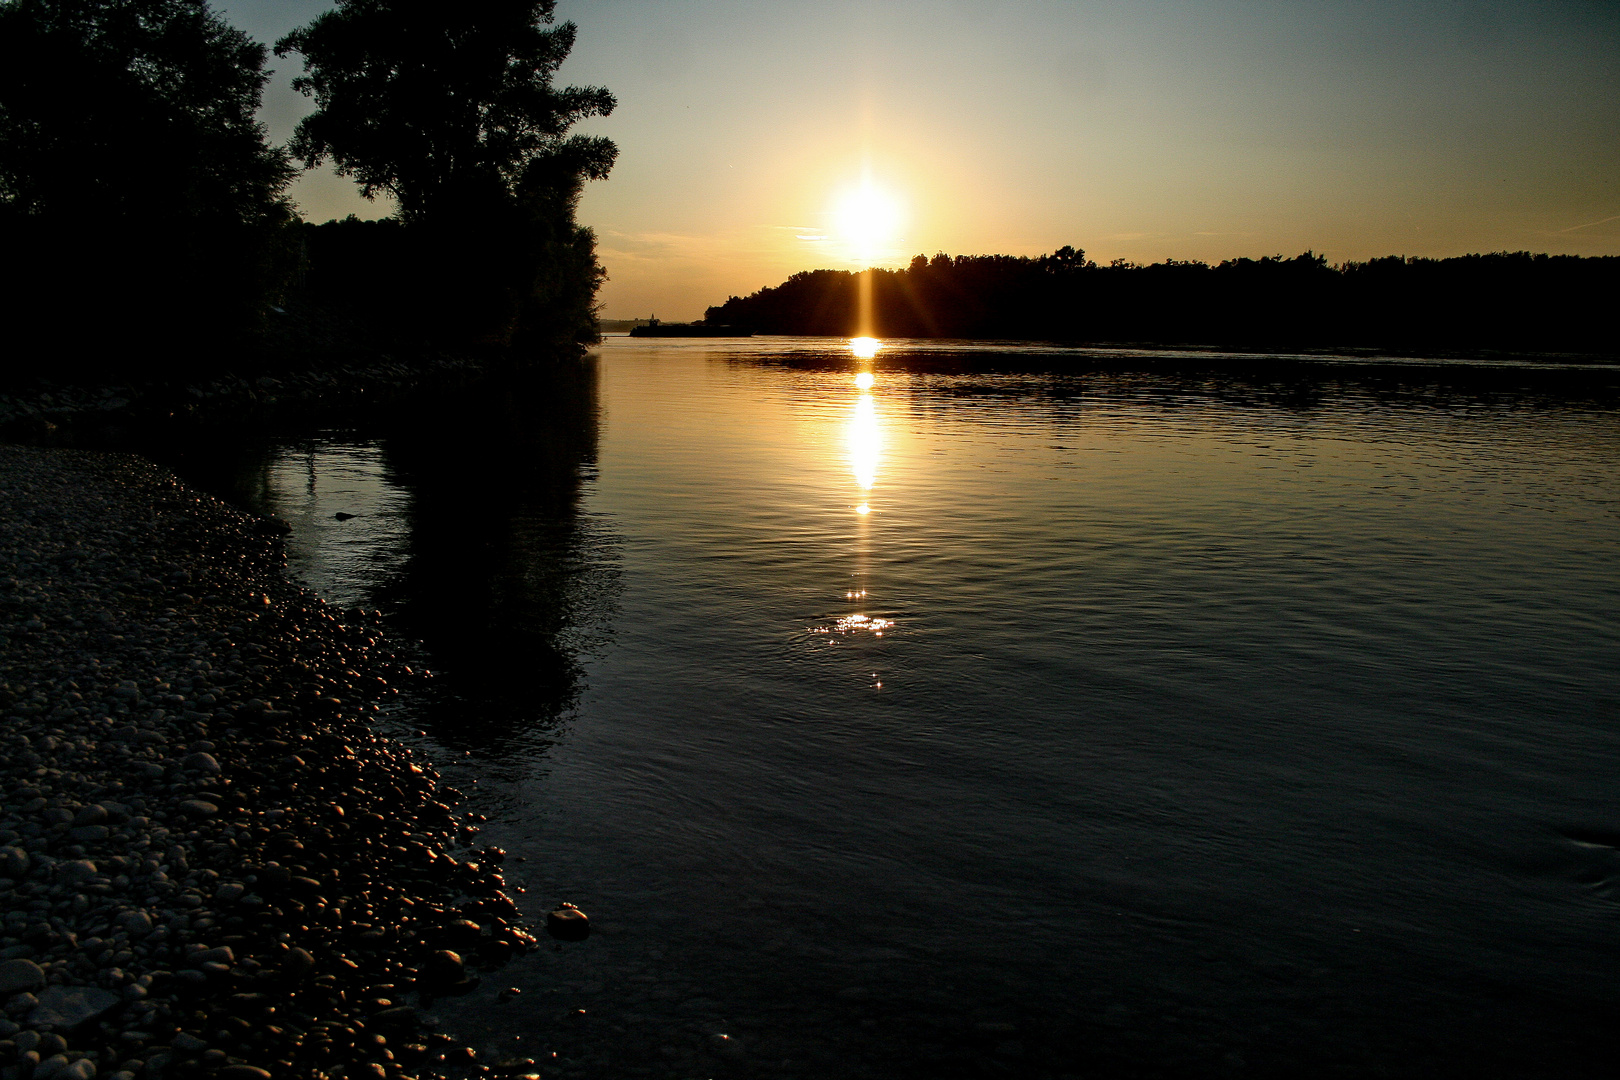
x=211, y=864
x=74, y=413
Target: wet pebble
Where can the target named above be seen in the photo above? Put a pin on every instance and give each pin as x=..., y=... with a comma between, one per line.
x=444, y=968
x=566, y=922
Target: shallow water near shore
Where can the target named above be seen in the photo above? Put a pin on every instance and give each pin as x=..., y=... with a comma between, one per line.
x=1015, y=711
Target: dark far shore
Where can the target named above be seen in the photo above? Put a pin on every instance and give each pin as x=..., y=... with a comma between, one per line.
x=1505, y=303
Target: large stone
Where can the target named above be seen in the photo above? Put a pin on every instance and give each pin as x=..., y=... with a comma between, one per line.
x=75, y=870
x=444, y=968
x=60, y=1068
x=20, y=977
x=202, y=762
x=14, y=862
x=299, y=963
x=66, y=1007
x=51, y=1067
x=94, y=814
x=463, y=934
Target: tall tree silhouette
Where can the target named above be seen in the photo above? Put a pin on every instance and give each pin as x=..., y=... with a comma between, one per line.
x=450, y=109
x=144, y=210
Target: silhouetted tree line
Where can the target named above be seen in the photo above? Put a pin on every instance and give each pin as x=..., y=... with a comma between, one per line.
x=145, y=219
x=1506, y=301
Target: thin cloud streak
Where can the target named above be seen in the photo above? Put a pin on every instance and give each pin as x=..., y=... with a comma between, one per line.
x=1589, y=224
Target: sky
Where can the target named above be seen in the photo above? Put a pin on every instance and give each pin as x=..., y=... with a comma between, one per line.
x=760, y=138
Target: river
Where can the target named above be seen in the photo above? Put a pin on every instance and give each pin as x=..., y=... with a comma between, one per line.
x=978, y=710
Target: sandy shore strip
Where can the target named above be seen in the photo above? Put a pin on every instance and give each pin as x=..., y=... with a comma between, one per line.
x=210, y=863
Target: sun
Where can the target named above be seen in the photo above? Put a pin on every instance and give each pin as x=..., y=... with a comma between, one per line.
x=868, y=221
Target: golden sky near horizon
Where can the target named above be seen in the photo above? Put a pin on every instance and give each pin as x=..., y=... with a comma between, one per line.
x=761, y=138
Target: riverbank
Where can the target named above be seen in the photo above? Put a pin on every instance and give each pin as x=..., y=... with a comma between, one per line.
x=46, y=413
x=210, y=863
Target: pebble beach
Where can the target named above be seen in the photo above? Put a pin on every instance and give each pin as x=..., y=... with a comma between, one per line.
x=211, y=861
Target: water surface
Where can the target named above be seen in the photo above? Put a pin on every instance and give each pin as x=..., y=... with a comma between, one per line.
x=1021, y=712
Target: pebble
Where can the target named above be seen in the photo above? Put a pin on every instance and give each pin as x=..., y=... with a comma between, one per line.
x=75, y=871
x=13, y=862
x=199, y=828
x=444, y=968
x=19, y=976
x=242, y=1072
x=53, y=1066
x=201, y=762
x=398, y=1016
x=567, y=923
x=68, y=1007
x=94, y=814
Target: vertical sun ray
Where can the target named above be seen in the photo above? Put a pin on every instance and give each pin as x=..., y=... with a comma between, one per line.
x=863, y=305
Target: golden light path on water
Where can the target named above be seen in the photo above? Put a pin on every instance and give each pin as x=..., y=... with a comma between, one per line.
x=865, y=434
x=865, y=448
x=865, y=442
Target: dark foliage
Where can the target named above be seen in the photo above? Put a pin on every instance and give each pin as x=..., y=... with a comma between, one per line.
x=449, y=108
x=1505, y=301
x=141, y=209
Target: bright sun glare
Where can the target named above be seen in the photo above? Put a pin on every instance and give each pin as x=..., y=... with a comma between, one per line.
x=868, y=221
x=864, y=348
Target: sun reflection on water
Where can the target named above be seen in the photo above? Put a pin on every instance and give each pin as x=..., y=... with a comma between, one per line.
x=864, y=348
x=855, y=624
x=864, y=438
x=865, y=442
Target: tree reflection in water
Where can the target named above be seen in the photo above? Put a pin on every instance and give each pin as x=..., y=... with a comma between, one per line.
x=457, y=514
x=505, y=583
